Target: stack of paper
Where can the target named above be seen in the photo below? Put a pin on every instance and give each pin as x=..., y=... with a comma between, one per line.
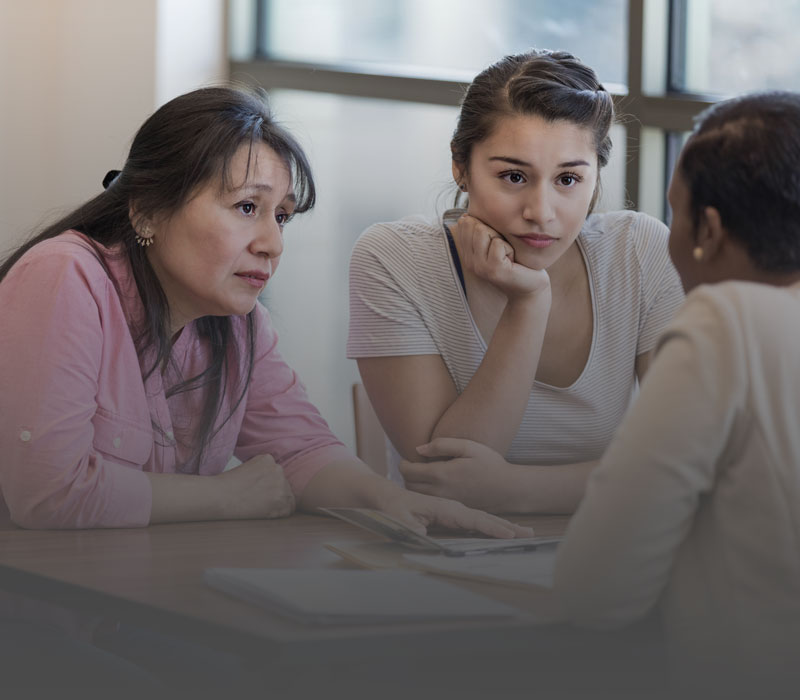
x=334, y=596
x=516, y=569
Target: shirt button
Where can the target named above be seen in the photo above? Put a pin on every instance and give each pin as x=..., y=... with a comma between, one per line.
x=25, y=435
x=170, y=435
x=117, y=442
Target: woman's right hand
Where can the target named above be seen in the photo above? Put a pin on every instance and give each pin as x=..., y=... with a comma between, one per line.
x=256, y=488
x=485, y=253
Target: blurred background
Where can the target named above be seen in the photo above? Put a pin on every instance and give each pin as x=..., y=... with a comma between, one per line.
x=371, y=88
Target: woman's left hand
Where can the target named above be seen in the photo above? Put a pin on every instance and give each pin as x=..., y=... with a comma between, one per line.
x=420, y=512
x=468, y=472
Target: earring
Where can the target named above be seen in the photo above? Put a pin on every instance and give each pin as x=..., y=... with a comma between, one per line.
x=462, y=187
x=697, y=253
x=146, y=238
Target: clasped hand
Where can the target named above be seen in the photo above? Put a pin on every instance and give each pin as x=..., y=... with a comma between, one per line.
x=485, y=253
x=257, y=489
x=463, y=470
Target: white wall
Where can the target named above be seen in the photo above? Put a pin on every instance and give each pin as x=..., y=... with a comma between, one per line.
x=77, y=78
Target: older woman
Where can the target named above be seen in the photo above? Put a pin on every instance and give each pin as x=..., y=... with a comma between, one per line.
x=135, y=358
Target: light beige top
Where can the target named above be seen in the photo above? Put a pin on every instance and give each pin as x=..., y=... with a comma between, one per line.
x=406, y=299
x=697, y=500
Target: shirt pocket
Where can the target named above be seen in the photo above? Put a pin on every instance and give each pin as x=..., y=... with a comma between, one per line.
x=121, y=440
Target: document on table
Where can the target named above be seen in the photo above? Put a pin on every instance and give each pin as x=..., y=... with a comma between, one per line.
x=344, y=597
x=385, y=525
x=523, y=569
x=517, y=569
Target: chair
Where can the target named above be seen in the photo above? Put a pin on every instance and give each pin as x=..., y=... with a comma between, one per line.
x=371, y=442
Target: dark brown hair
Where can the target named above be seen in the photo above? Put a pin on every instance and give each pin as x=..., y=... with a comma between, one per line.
x=182, y=147
x=553, y=85
x=742, y=159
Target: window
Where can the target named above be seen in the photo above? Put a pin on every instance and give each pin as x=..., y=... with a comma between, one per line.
x=371, y=89
x=421, y=36
x=725, y=47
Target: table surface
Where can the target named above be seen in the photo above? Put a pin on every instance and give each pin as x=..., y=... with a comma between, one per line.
x=152, y=578
x=153, y=575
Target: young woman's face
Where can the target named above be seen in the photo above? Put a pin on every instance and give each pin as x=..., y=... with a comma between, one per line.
x=532, y=181
x=216, y=254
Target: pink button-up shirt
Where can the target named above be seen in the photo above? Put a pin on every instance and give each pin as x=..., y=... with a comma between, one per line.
x=76, y=418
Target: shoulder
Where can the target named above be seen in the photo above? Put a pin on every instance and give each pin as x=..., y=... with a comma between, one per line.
x=731, y=315
x=404, y=238
x=641, y=231
x=634, y=241
x=68, y=259
x=737, y=303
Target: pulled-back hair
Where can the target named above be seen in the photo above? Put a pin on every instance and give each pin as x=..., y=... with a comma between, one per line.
x=181, y=148
x=553, y=85
x=743, y=159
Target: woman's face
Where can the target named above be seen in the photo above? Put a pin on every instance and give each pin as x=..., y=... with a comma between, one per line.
x=682, y=238
x=532, y=181
x=215, y=255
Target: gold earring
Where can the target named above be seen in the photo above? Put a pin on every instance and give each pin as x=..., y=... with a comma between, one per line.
x=697, y=253
x=146, y=238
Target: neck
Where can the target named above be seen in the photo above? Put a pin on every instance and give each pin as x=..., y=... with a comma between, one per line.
x=567, y=270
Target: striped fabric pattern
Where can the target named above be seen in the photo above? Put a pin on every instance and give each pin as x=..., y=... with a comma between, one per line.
x=405, y=299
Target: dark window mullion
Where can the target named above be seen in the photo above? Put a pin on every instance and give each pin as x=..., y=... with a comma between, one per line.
x=676, y=46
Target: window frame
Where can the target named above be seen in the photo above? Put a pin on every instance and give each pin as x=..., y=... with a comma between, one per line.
x=650, y=109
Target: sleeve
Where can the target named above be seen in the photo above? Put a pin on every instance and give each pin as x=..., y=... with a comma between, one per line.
x=279, y=419
x=51, y=349
x=384, y=320
x=662, y=289
x=640, y=502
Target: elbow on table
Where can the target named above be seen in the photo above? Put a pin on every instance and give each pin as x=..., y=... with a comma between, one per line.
x=46, y=513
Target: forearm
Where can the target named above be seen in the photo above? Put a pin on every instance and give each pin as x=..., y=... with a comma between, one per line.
x=187, y=497
x=557, y=489
x=347, y=484
x=490, y=408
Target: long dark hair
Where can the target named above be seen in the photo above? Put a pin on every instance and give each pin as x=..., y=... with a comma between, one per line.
x=182, y=147
x=553, y=85
x=742, y=159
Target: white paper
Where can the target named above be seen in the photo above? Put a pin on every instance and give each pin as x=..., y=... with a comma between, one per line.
x=333, y=596
x=529, y=568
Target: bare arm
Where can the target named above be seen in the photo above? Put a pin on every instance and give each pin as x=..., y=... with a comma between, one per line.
x=352, y=484
x=255, y=489
x=415, y=397
x=481, y=478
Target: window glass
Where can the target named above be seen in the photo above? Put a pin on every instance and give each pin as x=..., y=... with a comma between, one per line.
x=725, y=47
x=467, y=35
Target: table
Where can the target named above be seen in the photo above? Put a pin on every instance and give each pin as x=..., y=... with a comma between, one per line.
x=152, y=578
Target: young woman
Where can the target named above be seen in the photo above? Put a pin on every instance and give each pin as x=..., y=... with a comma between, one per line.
x=697, y=501
x=135, y=358
x=503, y=343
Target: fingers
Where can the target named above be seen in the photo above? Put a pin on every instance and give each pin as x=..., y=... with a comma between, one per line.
x=479, y=240
x=499, y=250
x=457, y=517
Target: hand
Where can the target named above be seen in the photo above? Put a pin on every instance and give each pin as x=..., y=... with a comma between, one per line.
x=419, y=512
x=485, y=253
x=466, y=471
x=256, y=488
